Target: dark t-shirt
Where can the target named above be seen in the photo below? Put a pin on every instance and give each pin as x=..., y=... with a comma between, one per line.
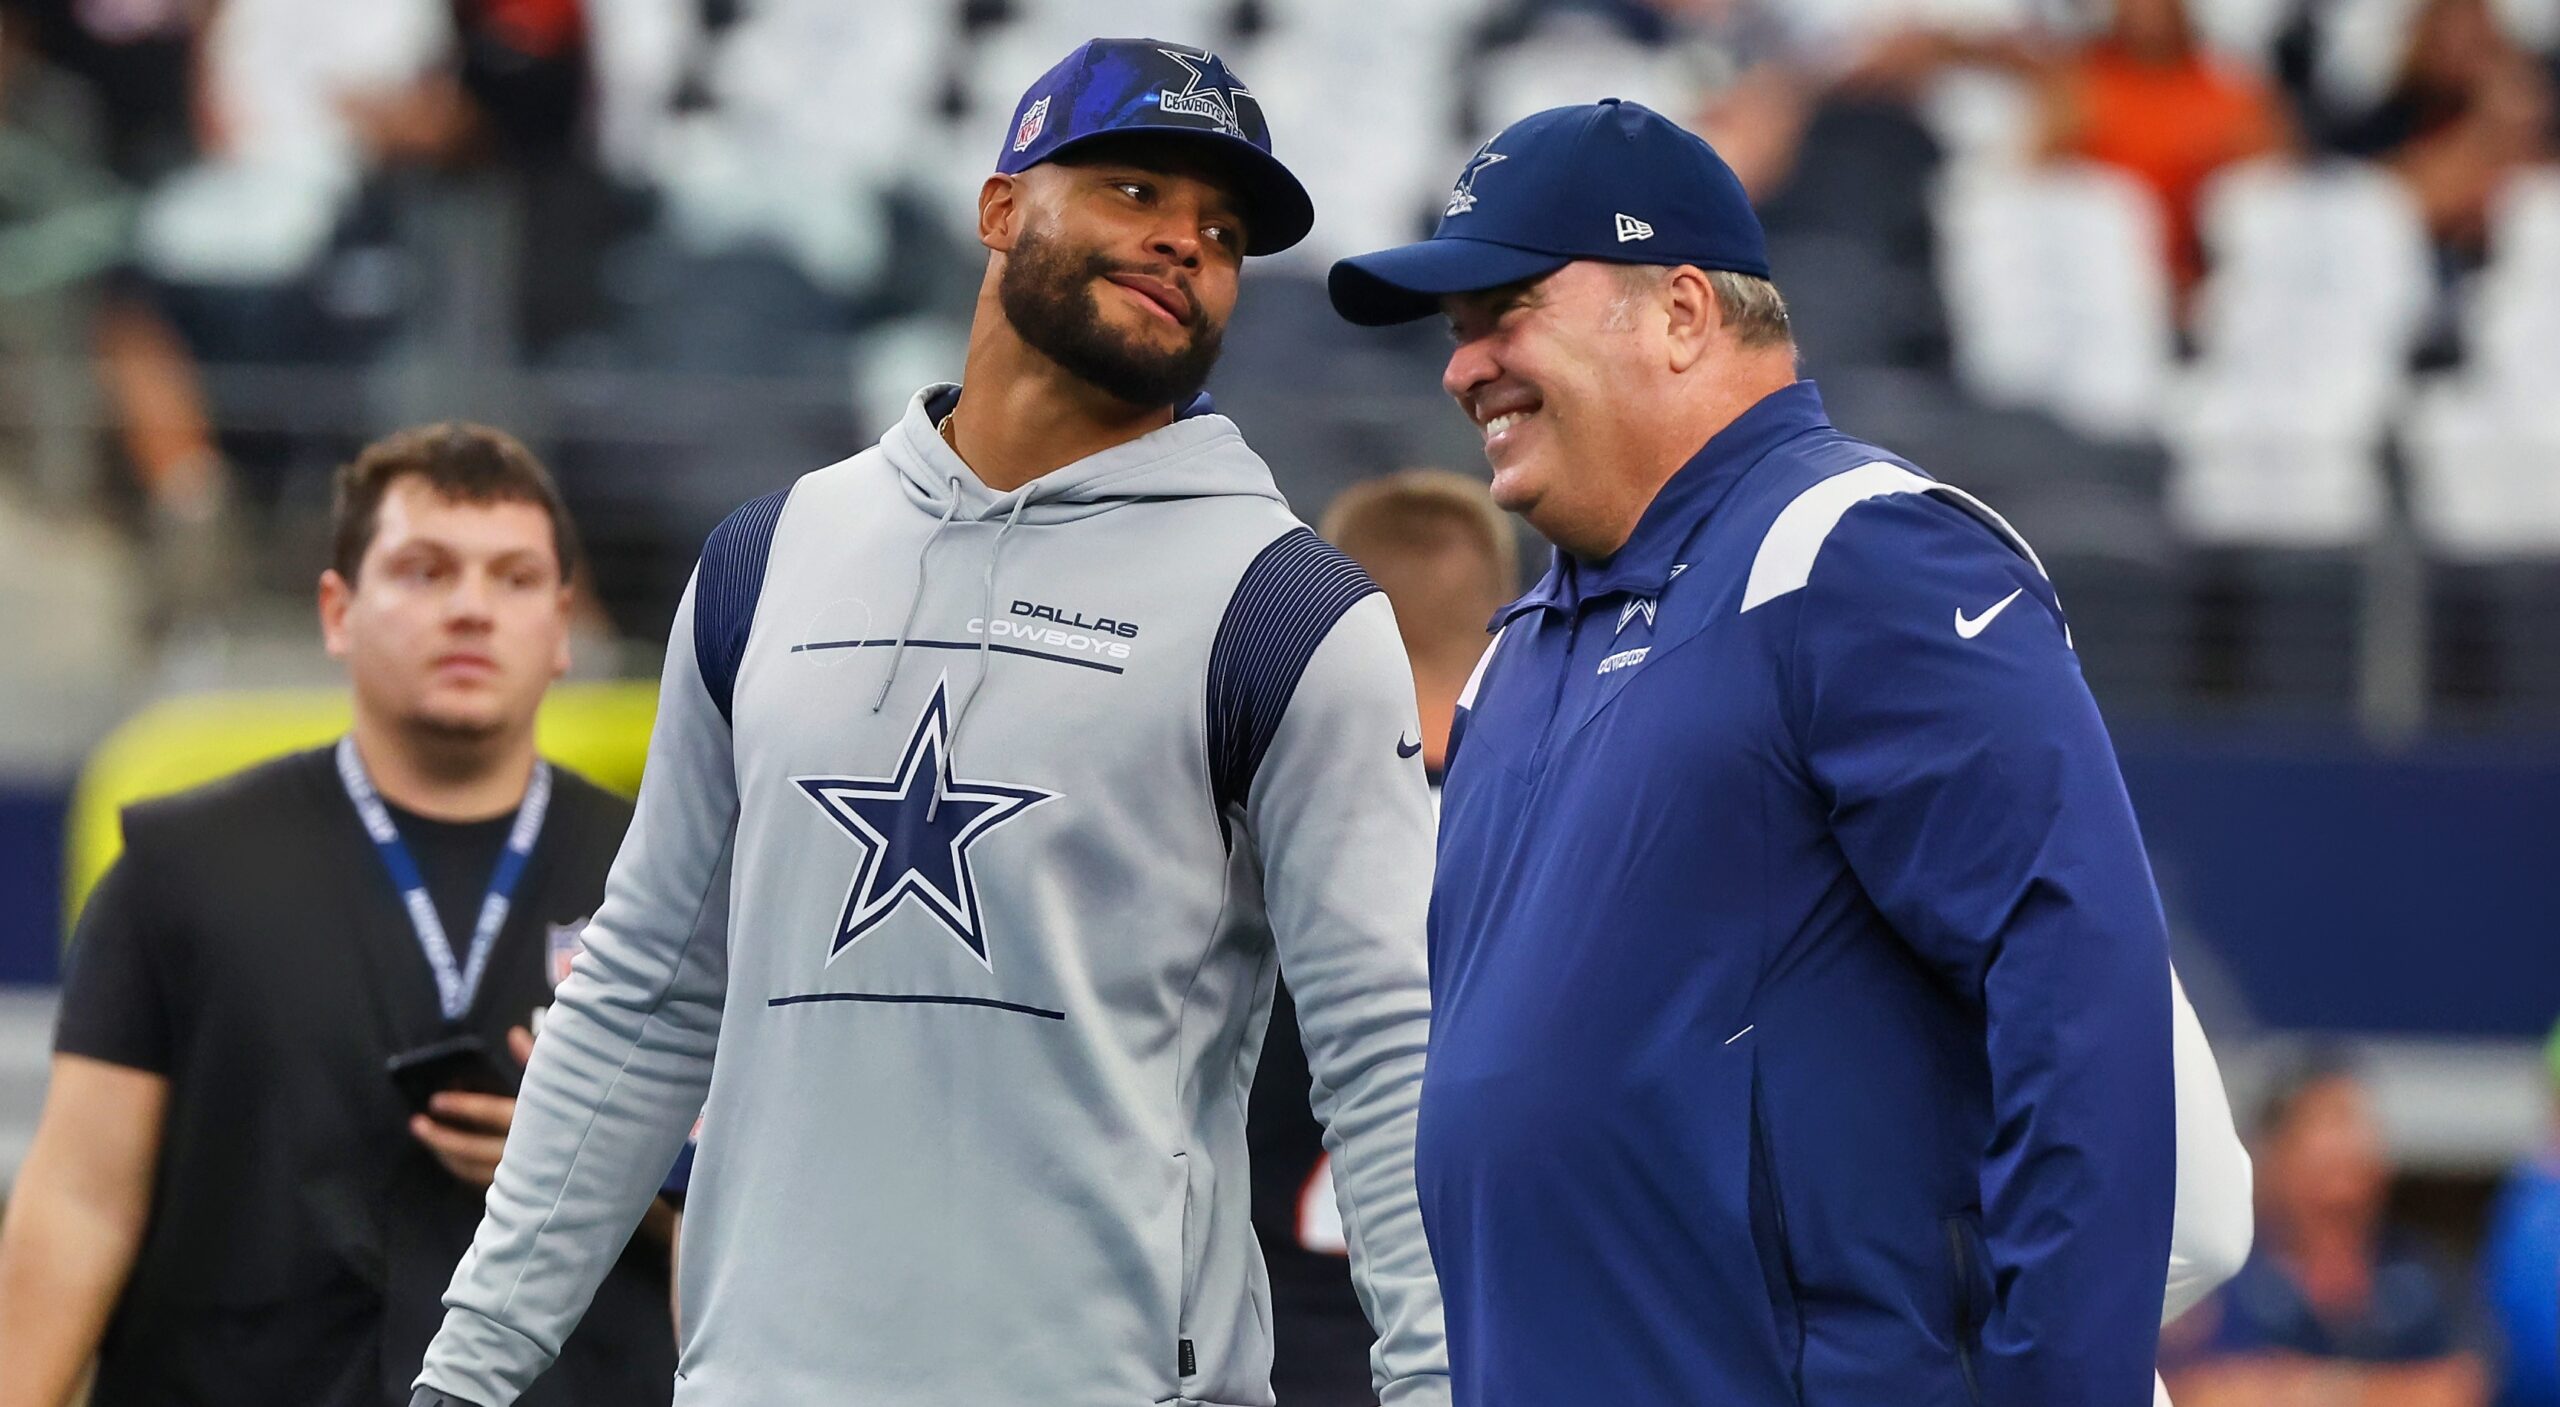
x=249, y=947
x=456, y=859
x=113, y=1010
x=2419, y=1310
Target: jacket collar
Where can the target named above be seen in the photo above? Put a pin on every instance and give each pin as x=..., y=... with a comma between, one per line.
x=1654, y=553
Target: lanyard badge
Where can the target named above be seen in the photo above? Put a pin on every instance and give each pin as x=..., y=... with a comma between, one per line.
x=455, y=986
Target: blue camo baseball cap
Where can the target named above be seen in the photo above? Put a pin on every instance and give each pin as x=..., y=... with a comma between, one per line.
x=1116, y=87
x=1610, y=180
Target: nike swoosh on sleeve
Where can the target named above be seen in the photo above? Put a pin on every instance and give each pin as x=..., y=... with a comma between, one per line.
x=1967, y=629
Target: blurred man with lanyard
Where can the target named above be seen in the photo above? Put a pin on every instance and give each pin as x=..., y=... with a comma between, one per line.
x=1803, y=1018
x=232, y=1198
x=999, y=770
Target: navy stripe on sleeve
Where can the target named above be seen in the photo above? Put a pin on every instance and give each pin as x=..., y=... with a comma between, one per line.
x=725, y=588
x=1284, y=606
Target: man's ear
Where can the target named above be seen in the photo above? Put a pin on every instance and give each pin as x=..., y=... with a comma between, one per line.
x=1000, y=212
x=336, y=594
x=1692, y=314
x=568, y=619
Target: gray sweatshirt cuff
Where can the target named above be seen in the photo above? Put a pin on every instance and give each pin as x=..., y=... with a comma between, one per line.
x=437, y=1397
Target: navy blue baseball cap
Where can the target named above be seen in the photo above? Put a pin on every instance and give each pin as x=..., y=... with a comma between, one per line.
x=1610, y=180
x=1119, y=87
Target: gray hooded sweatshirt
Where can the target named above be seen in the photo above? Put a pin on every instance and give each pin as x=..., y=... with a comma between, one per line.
x=975, y=829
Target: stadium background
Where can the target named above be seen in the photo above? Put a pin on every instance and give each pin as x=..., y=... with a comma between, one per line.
x=2258, y=351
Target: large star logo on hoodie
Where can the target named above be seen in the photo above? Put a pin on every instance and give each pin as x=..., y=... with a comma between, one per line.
x=915, y=827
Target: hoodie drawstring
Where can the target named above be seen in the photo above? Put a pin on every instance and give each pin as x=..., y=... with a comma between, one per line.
x=916, y=602
x=986, y=646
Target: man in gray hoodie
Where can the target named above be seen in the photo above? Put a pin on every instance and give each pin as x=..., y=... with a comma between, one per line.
x=997, y=771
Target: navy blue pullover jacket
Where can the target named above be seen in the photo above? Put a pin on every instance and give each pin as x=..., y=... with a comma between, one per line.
x=1801, y=991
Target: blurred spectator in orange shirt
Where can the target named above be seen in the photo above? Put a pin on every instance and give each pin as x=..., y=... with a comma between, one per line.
x=2149, y=99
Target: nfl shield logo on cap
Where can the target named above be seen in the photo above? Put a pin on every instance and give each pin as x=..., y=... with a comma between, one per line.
x=1027, y=130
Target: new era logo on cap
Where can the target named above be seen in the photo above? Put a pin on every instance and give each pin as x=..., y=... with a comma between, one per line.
x=1631, y=229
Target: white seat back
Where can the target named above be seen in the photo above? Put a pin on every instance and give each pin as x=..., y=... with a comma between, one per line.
x=2057, y=296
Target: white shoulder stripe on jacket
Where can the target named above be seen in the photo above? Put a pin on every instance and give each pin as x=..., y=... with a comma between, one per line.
x=1785, y=559
x=1467, y=695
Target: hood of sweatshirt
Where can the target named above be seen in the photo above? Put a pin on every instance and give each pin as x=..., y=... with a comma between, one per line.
x=1200, y=455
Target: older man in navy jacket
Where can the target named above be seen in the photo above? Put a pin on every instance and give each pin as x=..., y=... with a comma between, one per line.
x=1802, y=998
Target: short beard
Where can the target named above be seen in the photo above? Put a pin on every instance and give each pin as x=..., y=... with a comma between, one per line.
x=1047, y=292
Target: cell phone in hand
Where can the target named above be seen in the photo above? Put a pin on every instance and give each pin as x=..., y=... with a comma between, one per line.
x=461, y=1062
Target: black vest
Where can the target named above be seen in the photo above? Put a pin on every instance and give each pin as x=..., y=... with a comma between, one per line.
x=300, y=1239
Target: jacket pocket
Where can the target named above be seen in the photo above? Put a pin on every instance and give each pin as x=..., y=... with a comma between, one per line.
x=1769, y=1239
x=1968, y=1295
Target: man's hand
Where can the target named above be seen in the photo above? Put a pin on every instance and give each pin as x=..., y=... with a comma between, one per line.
x=467, y=1132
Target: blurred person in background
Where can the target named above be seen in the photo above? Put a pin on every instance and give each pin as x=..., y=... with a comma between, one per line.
x=131, y=60
x=266, y=142
x=2520, y=1266
x=2463, y=108
x=230, y=1199
x=137, y=119
x=2335, y=1305
x=1446, y=558
x=506, y=102
x=2149, y=98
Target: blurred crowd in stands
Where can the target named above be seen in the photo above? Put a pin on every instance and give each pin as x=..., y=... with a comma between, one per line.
x=2153, y=275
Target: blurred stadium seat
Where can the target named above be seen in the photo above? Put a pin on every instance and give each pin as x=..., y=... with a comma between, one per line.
x=2321, y=276
x=2320, y=286
x=2056, y=296
x=2484, y=472
x=2513, y=312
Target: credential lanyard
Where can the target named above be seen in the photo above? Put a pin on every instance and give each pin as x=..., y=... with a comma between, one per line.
x=454, y=987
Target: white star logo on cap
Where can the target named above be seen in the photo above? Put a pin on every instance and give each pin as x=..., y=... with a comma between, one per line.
x=1463, y=199
x=1631, y=229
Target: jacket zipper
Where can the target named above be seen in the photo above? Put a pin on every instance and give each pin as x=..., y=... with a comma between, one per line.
x=1186, y=1356
x=1960, y=1277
